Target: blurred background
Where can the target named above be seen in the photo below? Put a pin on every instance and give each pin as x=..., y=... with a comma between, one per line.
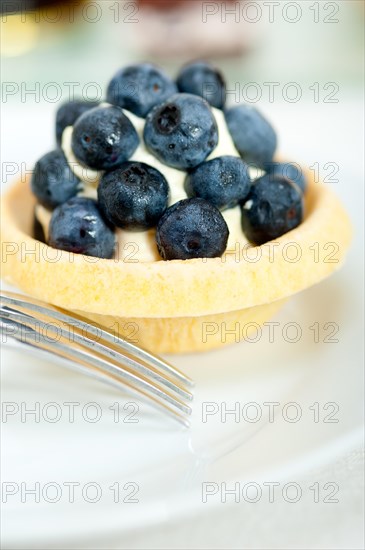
x=302, y=64
x=259, y=41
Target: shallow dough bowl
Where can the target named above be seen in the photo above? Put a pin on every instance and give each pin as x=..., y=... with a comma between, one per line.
x=177, y=306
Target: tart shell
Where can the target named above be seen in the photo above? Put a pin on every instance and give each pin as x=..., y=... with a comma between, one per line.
x=171, y=301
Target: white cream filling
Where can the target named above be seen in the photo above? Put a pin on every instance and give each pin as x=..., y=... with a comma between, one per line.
x=134, y=246
x=87, y=175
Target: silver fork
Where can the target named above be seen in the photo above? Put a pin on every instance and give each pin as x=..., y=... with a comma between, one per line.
x=96, y=352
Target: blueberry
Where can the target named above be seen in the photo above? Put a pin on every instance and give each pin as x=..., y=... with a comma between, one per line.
x=134, y=196
x=253, y=136
x=138, y=88
x=103, y=138
x=273, y=207
x=68, y=113
x=201, y=78
x=78, y=226
x=291, y=171
x=223, y=181
x=181, y=132
x=53, y=181
x=191, y=228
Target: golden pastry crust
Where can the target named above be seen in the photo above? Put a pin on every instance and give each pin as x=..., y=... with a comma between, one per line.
x=177, y=306
x=175, y=288
x=187, y=334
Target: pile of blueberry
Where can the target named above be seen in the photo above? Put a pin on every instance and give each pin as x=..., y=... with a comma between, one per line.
x=181, y=131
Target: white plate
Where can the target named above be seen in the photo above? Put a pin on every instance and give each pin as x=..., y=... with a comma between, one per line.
x=167, y=464
x=170, y=465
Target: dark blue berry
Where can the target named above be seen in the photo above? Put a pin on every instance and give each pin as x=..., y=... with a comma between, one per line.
x=291, y=171
x=138, y=88
x=201, y=78
x=181, y=132
x=103, y=138
x=223, y=181
x=273, y=207
x=68, y=113
x=78, y=226
x=253, y=136
x=134, y=196
x=53, y=181
x=191, y=228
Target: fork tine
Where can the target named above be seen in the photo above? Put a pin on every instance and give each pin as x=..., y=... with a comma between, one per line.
x=116, y=370
x=107, y=371
x=10, y=298
x=61, y=354
x=126, y=359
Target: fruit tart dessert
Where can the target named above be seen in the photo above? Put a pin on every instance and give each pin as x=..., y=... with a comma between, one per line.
x=165, y=215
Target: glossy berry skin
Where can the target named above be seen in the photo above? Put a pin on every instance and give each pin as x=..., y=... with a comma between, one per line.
x=292, y=172
x=223, y=181
x=204, y=80
x=78, y=226
x=53, y=181
x=253, y=135
x=139, y=88
x=103, y=138
x=181, y=132
x=273, y=207
x=68, y=113
x=191, y=228
x=134, y=196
